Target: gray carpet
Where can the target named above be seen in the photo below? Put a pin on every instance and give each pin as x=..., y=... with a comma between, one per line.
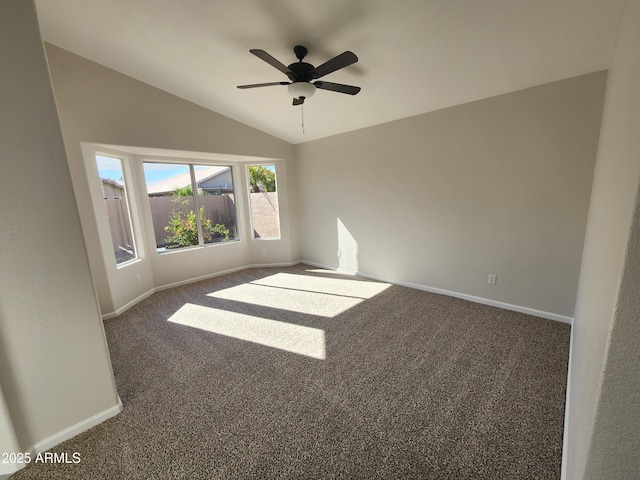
x=311, y=375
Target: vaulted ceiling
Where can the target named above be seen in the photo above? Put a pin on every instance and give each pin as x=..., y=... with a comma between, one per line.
x=415, y=56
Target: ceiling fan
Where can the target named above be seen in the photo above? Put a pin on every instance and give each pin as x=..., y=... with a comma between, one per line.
x=302, y=74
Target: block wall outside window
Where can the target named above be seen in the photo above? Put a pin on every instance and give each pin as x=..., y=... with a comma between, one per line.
x=114, y=192
x=263, y=202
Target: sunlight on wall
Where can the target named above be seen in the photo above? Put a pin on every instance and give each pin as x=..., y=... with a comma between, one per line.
x=347, y=248
x=271, y=333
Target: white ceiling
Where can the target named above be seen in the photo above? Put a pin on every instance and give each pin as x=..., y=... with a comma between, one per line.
x=415, y=56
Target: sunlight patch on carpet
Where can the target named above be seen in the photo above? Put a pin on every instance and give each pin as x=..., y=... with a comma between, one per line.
x=326, y=297
x=332, y=286
x=271, y=333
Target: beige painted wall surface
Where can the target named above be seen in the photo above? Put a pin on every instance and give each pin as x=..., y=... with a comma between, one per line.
x=499, y=186
x=604, y=387
x=100, y=105
x=615, y=441
x=55, y=369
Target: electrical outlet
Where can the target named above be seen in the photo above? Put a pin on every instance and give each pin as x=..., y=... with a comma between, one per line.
x=264, y=251
x=138, y=277
x=492, y=279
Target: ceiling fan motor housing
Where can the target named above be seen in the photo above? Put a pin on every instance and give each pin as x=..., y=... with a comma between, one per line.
x=302, y=72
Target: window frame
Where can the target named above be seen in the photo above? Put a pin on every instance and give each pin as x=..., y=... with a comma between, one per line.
x=191, y=163
x=273, y=164
x=130, y=202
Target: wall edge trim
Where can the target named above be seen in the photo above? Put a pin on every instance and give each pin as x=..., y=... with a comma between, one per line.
x=565, y=434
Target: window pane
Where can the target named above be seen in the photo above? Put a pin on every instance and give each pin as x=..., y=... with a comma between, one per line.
x=115, y=198
x=216, y=201
x=263, y=201
x=172, y=205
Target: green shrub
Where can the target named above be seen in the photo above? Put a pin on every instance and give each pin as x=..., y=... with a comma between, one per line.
x=183, y=227
x=219, y=230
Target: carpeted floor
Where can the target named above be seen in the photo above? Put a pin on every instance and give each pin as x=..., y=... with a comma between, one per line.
x=302, y=373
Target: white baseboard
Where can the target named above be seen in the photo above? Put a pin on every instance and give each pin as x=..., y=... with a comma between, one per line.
x=270, y=265
x=492, y=303
x=317, y=265
x=77, y=429
x=223, y=272
x=464, y=296
x=128, y=305
x=6, y=470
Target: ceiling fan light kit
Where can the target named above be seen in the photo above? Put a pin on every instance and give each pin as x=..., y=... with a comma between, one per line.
x=302, y=74
x=301, y=90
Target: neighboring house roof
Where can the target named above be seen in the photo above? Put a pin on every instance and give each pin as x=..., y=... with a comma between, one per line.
x=113, y=183
x=184, y=179
x=112, y=188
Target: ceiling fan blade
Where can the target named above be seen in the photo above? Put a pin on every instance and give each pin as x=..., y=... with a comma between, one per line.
x=298, y=101
x=273, y=62
x=255, y=85
x=337, y=87
x=336, y=63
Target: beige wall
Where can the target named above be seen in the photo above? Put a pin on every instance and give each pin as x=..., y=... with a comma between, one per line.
x=604, y=387
x=55, y=372
x=99, y=105
x=499, y=186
